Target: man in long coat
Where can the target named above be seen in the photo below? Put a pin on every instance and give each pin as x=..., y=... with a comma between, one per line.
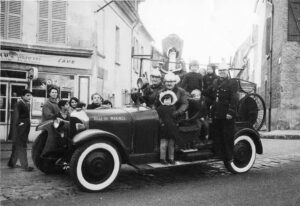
x=224, y=109
x=20, y=130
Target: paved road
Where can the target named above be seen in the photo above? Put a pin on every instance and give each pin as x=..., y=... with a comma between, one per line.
x=274, y=180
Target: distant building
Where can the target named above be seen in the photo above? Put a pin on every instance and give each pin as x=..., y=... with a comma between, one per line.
x=73, y=45
x=270, y=58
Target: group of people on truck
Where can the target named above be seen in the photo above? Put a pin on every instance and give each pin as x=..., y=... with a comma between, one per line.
x=213, y=98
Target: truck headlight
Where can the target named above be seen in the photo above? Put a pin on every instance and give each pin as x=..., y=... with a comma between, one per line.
x=80, y=126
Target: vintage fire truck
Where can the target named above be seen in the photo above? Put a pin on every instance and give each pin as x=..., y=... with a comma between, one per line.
x=99, y=141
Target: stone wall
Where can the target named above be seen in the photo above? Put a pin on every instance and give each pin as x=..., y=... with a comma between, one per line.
x=285, y=73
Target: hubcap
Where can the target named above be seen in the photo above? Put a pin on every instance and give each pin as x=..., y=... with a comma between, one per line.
x=242, y=153
x=97, y=166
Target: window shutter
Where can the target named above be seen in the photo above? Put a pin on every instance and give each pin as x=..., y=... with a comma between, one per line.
x=2, y=26
x=59, y=17
x=14, y=19
x=43, y=31
x=294, y=20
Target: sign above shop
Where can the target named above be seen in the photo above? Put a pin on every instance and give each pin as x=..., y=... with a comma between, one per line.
x=46, y=60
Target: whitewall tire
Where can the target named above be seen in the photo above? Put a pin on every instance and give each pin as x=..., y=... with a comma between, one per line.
x=244, y=155
x=95, y=165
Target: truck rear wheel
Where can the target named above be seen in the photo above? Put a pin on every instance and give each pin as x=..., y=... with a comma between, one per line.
x=244, y=155
x=95, y=165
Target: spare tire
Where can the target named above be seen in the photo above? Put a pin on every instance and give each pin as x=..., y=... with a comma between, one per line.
x=252, y=109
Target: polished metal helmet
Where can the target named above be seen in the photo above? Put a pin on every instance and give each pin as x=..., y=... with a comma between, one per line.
x=155, y=73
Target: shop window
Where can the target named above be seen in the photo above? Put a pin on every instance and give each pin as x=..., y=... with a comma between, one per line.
x=11, y=19
x=41, y=86
x=52, y=22
x=294, y=20
x=3, y=102
x=13, y=74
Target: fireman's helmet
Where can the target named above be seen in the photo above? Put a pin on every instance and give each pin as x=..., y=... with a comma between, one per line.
x=155, y=73
x=170, y=77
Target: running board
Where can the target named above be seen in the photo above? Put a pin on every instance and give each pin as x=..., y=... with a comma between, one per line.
x=157, y=165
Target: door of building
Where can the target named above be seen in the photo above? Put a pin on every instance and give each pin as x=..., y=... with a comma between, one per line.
x=10, y=93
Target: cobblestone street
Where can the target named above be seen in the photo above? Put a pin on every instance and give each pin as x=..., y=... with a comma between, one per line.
x=17, y=185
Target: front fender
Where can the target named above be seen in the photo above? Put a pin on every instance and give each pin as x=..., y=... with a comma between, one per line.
x=254, y=135
x=93, y=134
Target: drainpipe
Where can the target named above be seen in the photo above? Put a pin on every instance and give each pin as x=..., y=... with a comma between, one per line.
x=271, y=66
x=132, y=46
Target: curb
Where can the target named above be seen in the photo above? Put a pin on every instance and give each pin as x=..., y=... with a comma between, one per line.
x=278, y=134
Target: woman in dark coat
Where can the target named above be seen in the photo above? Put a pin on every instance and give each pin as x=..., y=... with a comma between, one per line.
x=49, y=112
x=50, y=108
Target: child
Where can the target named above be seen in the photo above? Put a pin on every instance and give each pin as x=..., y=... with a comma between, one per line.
x=169, y=131
x=198, y=104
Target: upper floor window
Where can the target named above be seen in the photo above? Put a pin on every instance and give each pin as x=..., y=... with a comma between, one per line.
x=294, y=20
x=52, y=21
x=11, y=19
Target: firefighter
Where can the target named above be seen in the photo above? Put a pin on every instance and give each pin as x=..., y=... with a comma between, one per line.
x=150, y=92
x=223, y=112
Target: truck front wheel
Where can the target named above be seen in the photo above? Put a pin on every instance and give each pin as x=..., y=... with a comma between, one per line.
x=95, y=165
x=244, y=155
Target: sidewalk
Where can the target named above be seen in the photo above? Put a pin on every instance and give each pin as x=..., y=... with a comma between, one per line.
x=6, y=149
x=281, y=134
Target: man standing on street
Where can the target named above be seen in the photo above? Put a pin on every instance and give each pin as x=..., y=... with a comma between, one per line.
x=223, y=115
x=20, y=131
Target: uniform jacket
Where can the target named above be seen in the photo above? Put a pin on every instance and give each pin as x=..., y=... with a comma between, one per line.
x=182, y=101
x=225, y=99
x=21, y=121
x=197, y=106
x=50, y=109
x=151, y=93
x=191, y=81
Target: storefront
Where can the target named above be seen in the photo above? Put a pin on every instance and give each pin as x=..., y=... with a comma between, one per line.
x=70, y=74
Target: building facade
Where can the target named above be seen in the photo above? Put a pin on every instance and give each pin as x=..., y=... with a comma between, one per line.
x=74, y=45
x=270, y=58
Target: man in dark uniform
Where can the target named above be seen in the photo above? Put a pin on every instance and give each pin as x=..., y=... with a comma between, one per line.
x=209, y=78
x=20, y=131
x=150, y=92
x=223, y=115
